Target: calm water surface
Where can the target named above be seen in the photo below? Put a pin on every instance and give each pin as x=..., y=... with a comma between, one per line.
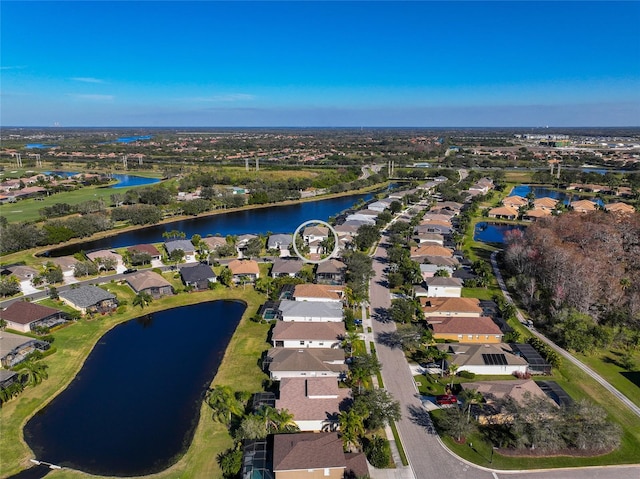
x=493, y=232
x=541, y=192
x=274, y=219
x=134, y=406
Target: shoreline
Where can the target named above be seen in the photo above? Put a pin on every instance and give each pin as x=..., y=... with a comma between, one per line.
x=41, y=250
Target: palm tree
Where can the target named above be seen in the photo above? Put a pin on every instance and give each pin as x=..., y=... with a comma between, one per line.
x=470, y=397
x=142, y=299
x=351, y=429
x=224, y=404
x=286, y=422
x=33, y=373
x=348, y=340
x=452, y=371
x=277, y=421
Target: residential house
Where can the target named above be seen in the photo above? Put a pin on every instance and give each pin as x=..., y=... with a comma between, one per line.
x=535, y=214
x=313, y=236
x=307, y=335
x=305, y=362
x=67, y=264
x=149, y=249
x=241, y=243
x=504, y=212
x=545, y=203
x=429, y=238
x=280, y=242
x=436, y=227
x=441, y=287
x=244, y=270
x=465, y=329
x=286, y=267
x=214, y=242
x=7, y=378
x=181, y=244
x=149, y=282
x=305, y=311
x=313, y=456
x=428, y=270
x=89, y=299
x=25, y=316
x=620, y=207
x=15, y=348
x=368, y=216
x=331, y=271
x=198, y=276
x=23, y=273
x=515, y=201
x=485, y=358
x=469, y=307
x=583, y=206
x=315, y=403
x=429, y=249
x=380, y=205
x=318, y=292
x=96, y=256
x=442, y=261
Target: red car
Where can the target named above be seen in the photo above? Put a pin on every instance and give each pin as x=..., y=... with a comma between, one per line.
x=446, y=399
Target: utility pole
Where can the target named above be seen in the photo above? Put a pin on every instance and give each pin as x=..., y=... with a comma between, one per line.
x=124, y=161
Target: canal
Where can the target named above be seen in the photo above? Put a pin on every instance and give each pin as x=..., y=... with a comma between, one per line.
x=134, y=406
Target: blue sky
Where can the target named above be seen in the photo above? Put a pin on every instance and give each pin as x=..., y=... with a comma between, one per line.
x=454, y=63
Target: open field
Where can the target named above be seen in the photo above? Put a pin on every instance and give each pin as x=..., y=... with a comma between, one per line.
x=239, y=369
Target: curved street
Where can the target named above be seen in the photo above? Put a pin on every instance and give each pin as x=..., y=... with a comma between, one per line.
x=428, y=457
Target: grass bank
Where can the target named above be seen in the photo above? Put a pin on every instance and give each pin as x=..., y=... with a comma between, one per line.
x=239, y=369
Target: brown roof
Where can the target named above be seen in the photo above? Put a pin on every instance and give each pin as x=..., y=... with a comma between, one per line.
x=620, y=208
x=244, y=266
x=310, y=399
x=536, y=213
x=313, y=331
x=496, y=390
x=515, y=201
x=310, y=450
x=331, y=266
x=308, y=359
x=146, y=279
x=318, y=291
x=24, y=312
x=545, y=202
x=503, y=211
x=431, y=250
x=214, y=241
x=145, y=248
x=463, y=325
x=457, y=305
x=584, y=205
x=356, y=464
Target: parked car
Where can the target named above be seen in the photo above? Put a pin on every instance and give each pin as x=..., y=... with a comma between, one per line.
x=446, y=399
x=130, y=270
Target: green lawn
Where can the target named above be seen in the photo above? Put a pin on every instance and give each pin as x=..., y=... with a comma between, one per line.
x=240, y=369
x=606, y=364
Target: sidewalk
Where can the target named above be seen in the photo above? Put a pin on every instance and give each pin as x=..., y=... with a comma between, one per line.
x=400, y=472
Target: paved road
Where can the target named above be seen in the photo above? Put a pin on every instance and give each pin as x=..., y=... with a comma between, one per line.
x=625, y=400
x=428, y=456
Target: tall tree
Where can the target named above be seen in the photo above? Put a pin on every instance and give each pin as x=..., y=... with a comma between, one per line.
x=351, y=429
x=224, y=403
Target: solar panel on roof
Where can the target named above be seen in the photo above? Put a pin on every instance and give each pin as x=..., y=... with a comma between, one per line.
x=494, y=359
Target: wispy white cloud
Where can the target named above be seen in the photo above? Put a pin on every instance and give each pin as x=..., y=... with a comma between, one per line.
x=228, y=97
x=92, y=97
x=87, y=79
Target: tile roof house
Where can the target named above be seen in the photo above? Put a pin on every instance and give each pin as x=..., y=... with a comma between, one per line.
x=107, y=254
x=307, y=362
x=318, y=292
x=214, y=242
x=331, y=271
x=15, y=348
x=25, y=316
x=244, y=269
x=620, y=207
x=286, y=267
x=308, y=335
x=545, y=203
x=150, y=249
x=149, y=282
x=310, y=311
x=583, y=206
x=485, y=358
x=428, y=270
x=450, y=307
x=515, y=201
x=314, y=402
x=198, y=276
x=89, y=299
x=185, y=245
x=535, y=214
x=465, y=329
x=504, y=212
x=308, y=455
x=430, y=249
x=23, y=273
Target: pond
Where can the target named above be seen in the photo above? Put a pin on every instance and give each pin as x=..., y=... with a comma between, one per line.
x=133, y=407
x=493, y=232
x=542, y=192
x=123, y=180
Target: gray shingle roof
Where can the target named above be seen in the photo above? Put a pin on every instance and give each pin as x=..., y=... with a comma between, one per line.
x=184, y=245
x=199, y=272
x=86, y=296
x=311, y=309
